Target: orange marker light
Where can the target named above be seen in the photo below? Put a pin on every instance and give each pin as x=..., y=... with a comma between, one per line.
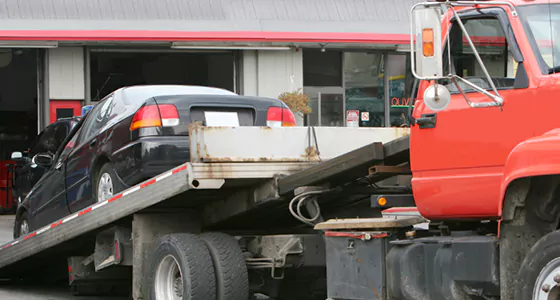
x=382, y=201
x=428, y=42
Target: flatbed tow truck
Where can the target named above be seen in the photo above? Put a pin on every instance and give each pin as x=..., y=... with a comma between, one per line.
x=305, y=213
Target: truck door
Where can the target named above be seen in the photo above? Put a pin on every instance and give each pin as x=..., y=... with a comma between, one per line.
x=458, y=157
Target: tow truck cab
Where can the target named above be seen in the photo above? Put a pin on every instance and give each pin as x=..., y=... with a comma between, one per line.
x=467, y=151
x=485, y=145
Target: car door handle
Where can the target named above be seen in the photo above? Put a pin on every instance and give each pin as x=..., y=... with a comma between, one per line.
x=92, y=143
x=427, y=121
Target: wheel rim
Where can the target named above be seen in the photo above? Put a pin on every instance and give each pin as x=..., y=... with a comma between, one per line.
x=547, y=286
x=105, y=187
x=23, y=228
x=168, y=283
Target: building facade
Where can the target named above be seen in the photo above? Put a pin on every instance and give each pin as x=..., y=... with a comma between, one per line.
x=349, y=56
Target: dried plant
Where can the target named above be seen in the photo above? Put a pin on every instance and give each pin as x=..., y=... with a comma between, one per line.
x=297, y=101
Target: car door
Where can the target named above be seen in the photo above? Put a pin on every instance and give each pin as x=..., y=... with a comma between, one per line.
x=28, y=173
x=79, y=165
x=47, y=199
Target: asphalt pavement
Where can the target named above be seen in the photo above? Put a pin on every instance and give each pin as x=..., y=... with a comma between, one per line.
x=34, y=292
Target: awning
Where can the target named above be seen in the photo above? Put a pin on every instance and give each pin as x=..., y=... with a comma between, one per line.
x=313, y=21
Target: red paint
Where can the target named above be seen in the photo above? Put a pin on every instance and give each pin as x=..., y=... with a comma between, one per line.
x=354, y=235
x=179, y=169
x=75, y=105
x=145, y=184
x=395, y=210
x=462, y=167
x=203, y=36
x=85, y=211
x=30, y=236
x=53, y=225
x=115, y=198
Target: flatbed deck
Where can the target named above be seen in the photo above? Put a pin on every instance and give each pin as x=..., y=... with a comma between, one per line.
x=223, y=190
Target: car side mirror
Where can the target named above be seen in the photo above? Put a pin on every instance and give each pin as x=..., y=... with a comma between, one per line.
x=17, y=155
x=42, y=159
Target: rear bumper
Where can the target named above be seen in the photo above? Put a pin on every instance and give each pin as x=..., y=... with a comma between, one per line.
x=150, y=156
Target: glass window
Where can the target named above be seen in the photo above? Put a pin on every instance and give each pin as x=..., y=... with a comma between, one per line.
x=322, y=68
x=39, y=144
x=490, y=42
x=96, y=118
x=363, y=78
x=401, y=82
x=56, y=137
x=542, y=23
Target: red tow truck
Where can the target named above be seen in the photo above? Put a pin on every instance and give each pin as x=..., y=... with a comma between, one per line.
x=463, y=205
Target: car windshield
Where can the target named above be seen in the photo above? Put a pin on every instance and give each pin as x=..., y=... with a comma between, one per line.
x=542, y=24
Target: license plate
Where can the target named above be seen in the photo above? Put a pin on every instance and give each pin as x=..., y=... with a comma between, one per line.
x=218, y=118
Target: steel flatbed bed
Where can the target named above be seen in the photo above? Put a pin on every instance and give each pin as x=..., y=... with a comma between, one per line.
x=246, y=183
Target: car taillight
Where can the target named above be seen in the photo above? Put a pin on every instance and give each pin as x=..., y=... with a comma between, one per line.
x=155, y=116
x=169, y=115
x=279, y=116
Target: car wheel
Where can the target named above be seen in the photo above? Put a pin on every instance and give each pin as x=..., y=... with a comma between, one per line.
x=107, y=184
x=22, y=225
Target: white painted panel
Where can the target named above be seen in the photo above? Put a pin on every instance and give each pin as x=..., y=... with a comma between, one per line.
x=66, y=73
x=283, y=144
x=249, y=73
x=279, y=71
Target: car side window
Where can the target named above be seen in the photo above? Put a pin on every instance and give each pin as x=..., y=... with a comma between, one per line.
x=38, y=146
x=56, y=137
x=70, y=146
x=96, y=118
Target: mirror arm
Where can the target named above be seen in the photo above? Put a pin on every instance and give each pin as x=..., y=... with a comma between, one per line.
x=498, y=101
x=475, y=52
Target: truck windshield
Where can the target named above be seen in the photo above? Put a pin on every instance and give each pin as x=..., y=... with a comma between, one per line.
x=542, y=24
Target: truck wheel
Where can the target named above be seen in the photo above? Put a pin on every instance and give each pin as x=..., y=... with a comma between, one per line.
x=539, y=275
x=232, y=279
x=21, y=227
x=106, y=183
x=181, y=268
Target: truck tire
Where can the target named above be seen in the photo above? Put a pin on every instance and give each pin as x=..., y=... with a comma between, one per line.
x=106, y=183
x=181, y=268
x=232, y=279
x=536, y=277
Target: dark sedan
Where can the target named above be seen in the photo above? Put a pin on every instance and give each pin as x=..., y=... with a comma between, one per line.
x=48, y=141
x=131, y=135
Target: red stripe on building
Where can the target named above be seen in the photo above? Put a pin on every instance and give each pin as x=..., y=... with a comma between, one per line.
x=203, y=36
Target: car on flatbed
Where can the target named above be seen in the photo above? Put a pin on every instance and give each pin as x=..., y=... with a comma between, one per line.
x=131, y=135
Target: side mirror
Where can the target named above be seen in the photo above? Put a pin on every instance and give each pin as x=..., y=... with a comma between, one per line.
x=427, y=62
x=42, y=159
x=17, y=155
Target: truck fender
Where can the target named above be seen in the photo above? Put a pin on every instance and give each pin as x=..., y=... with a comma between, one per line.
x=533, y=157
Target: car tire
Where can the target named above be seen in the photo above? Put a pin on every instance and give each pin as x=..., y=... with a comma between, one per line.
x=184, y=255
x=232, y=279
x=542, y=259
x=111, y=185
x=19, y=223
